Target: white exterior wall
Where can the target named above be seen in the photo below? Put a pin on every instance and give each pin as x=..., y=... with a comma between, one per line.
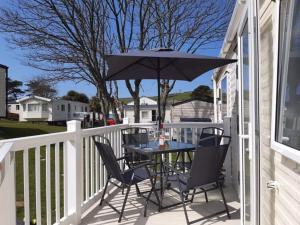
x=232, y=159
x=54, y=113
x=25, y=115
x=144, y=101
x=12, y=108
x=3, y=75
x=59, y=115
x=129, y=113
x=192, y=109
x=282, y=206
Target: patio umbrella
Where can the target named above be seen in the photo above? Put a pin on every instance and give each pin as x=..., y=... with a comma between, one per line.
x=160, y=64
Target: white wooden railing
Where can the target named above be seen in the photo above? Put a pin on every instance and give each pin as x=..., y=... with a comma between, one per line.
x=62, y=174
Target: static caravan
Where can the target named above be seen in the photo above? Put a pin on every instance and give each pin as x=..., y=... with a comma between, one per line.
x=36, y=108
x=148, y=111
x=261, y=96
x=3, y=95
x=192, y=110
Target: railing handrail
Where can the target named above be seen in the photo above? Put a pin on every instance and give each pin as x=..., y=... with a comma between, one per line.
x=5, y=149
x=31, y=141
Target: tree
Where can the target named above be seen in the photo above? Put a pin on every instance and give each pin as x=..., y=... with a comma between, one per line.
x=203, y=92
x=183, y=25
x=95, y=104
x=188, y=25
x=65, y=39
x=41, y=87
x=14, y=89
x=76, y=96
x=131, y=22
x=68, y=40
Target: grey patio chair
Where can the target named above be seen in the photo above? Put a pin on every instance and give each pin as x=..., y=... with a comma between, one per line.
x=204, y=174
x=134, y=136
x=127, y=178
x=210, y=136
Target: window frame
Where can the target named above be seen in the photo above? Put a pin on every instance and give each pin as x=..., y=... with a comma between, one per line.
x=287, y=151
x=33, y=105
x=224, y=76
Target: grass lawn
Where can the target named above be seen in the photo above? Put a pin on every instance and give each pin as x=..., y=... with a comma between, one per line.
x=15, y=129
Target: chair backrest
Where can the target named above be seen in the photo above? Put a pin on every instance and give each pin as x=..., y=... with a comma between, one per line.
x=223, y=148
x=109, y=159
x=211, y=136
x=207, y=163
x=134, y=136
x=205, y=167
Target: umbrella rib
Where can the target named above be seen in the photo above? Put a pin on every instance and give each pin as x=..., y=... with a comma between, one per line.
x=126, y=67
x=148, y=67
x=170, y=63
x=181, y=72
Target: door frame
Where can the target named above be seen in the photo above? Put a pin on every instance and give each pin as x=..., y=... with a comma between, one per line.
x=249, y=16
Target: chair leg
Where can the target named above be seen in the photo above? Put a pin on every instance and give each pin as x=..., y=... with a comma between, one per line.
x=124, y=203
x=205, y=193
x=194, y=191
x=148, y=197
x=184, y=208
x=138, y=192
x=224, y=200
x=102, y=197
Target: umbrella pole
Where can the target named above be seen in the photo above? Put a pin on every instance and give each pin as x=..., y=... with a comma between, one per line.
x=158, y=94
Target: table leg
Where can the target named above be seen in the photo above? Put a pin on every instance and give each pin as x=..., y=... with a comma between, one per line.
x=183, y=162
x=161, y=177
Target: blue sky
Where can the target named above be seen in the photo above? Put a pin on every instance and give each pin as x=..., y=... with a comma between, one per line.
x=14, y=59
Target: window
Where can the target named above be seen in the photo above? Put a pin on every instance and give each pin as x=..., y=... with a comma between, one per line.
x=33, y=107
x=224, y=96
x=287, y=118
x=62, y=107
x=57, y=107
x=17, y=107
x=45, y=107
x=144, y=114
x=9, y=107
x=153, y=115
x=86, y=109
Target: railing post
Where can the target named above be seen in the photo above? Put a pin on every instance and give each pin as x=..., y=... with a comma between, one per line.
x=74, y=171
x=7, y=186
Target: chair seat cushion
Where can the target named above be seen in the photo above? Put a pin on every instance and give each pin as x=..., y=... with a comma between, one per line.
x=183, y=180
x=139, y=175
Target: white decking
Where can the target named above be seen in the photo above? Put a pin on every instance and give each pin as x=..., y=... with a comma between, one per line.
x=133, y=213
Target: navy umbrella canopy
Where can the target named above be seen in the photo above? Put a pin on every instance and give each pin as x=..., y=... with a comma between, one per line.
x=160, y=64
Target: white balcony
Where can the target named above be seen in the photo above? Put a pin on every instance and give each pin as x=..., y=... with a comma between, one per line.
x=63, y=177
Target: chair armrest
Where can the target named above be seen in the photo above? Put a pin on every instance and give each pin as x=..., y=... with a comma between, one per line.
x=145, y=164
x=206, y=138
x=123, y=157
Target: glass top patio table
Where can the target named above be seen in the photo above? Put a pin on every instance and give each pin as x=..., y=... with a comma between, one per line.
x=152, y=147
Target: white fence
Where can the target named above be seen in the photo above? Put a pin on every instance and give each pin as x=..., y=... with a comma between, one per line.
x=59, y=176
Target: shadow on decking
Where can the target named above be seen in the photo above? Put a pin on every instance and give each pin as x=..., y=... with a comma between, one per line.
x=133, y=213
